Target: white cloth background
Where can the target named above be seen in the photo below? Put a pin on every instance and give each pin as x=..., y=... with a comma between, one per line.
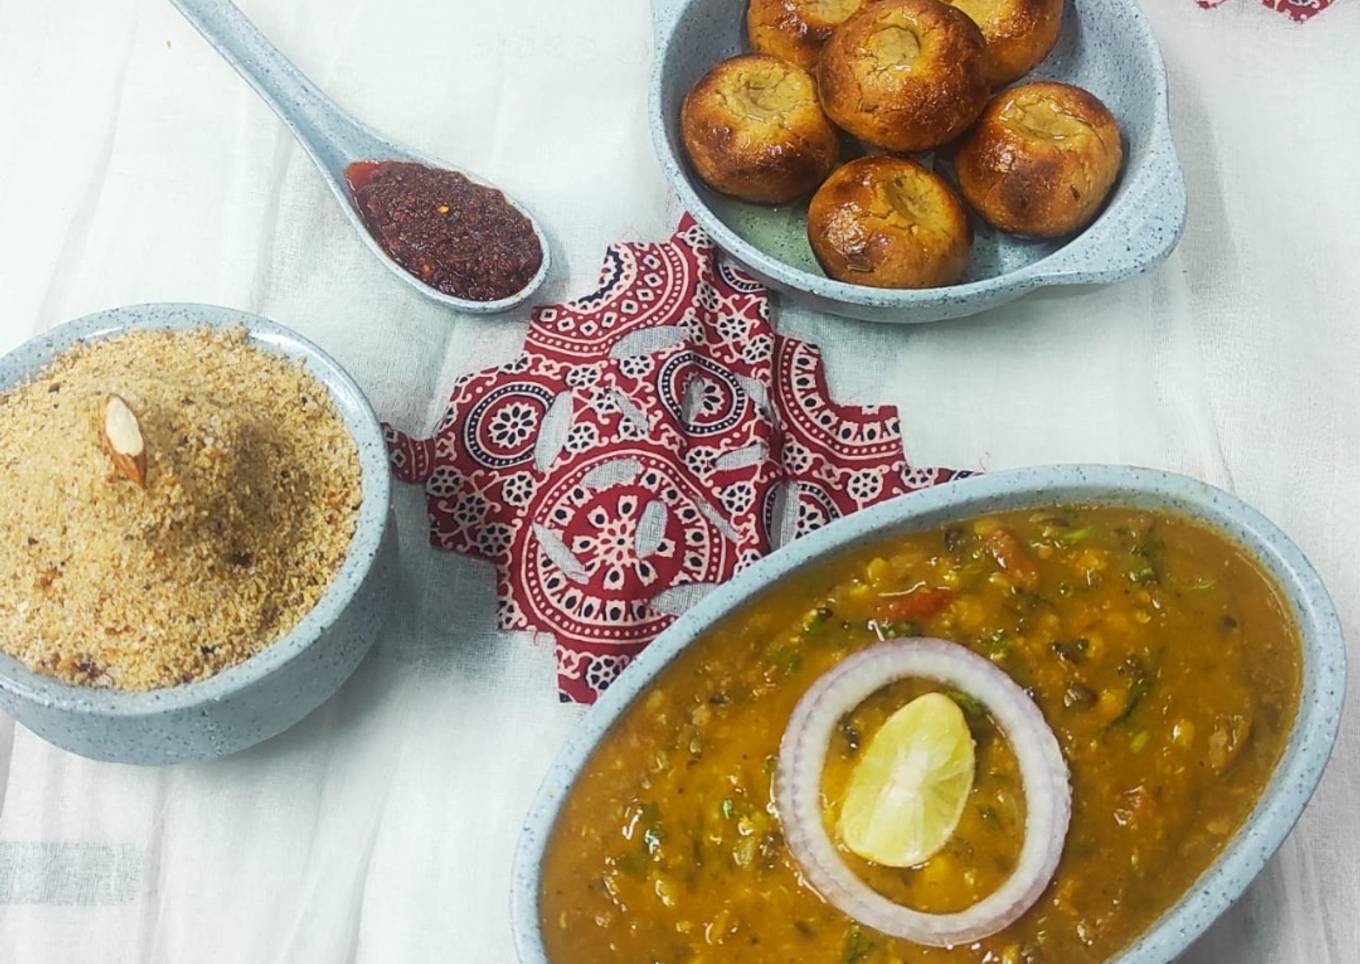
x=137, y=167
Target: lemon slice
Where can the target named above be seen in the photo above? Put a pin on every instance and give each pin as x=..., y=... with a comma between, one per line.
x=909, y=788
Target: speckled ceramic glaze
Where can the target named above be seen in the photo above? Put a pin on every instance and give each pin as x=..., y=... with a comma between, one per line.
x=271, y=691
x=1105, y=47
x=1310, y=742
x=332, y=137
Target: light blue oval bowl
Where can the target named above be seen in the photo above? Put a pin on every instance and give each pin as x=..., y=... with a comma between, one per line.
x=277, y=687
x=1106, y=47
x=1291, y=785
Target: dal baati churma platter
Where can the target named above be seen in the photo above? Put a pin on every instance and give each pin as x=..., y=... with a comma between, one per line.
x=850, y=709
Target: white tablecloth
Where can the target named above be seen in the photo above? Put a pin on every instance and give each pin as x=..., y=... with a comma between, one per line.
x=137, y=167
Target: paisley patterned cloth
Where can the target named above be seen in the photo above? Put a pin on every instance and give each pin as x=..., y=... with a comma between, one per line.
x=654, y=438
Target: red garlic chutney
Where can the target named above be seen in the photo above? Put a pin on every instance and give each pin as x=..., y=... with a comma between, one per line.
x=460, y=238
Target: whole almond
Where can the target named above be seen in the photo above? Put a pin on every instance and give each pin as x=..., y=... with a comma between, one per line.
x=123, y=440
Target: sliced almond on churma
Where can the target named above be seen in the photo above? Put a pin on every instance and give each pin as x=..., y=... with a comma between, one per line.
x=123, y=439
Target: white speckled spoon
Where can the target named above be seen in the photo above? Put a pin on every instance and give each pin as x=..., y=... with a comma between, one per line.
x=332, y=137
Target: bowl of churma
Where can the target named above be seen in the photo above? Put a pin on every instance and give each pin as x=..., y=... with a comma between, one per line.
x=194, y=541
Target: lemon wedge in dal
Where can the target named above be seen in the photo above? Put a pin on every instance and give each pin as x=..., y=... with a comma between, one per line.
x=908, y=790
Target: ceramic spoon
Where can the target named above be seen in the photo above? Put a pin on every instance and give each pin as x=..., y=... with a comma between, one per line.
x=332, y=137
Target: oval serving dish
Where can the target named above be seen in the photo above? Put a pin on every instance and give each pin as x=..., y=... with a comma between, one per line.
x=1291, y=783
x=271, y=691
x=1106, y=46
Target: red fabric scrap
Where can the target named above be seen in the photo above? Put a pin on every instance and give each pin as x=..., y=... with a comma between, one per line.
x=643, y=442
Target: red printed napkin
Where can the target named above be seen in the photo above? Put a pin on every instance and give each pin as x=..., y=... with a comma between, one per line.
x=655, y=437
x=1296, y=10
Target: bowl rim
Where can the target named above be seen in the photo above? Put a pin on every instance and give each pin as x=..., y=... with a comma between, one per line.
x=1281, y=803
x=1111, y=234
x=26, y=361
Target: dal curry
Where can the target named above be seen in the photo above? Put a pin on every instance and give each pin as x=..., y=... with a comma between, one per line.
x=1161, y=657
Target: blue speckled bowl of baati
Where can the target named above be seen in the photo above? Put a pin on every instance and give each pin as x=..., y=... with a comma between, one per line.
x=274, y=689
x=1292, y=783
x=1105, y=46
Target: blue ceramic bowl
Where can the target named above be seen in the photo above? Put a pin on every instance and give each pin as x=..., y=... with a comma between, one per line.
x=272, y=690
x=1295, y=776
x=1106, y=47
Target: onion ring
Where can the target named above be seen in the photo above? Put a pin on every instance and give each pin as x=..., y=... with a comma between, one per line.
x=1044, y=774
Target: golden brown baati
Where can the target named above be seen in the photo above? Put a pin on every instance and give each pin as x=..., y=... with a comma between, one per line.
x=753, y=129
x=1040, y=160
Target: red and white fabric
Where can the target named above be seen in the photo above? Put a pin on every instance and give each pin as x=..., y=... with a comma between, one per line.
x=641, y=450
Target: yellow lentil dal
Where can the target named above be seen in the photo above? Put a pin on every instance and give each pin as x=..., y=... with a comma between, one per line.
x=1161, y=656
